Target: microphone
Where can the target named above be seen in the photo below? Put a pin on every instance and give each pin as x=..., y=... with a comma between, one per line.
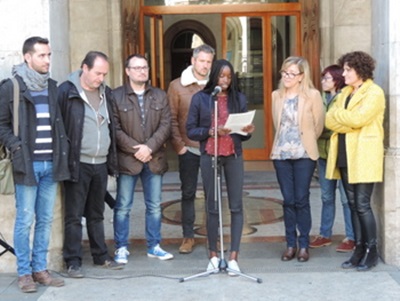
x=217, y=90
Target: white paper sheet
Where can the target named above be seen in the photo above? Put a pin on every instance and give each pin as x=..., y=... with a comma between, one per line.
x=238, y=121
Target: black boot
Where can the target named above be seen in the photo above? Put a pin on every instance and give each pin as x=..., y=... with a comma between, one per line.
x=356, y=257
x=370, y=259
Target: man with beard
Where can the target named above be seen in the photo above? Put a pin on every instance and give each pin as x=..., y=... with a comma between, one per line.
x=180, y=92
x=143, y=124
x=39, y=149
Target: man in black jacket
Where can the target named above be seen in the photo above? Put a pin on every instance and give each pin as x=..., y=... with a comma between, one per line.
x=86, y=106
x=39, y=155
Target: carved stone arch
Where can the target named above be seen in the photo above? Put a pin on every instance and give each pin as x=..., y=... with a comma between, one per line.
x=173, y=32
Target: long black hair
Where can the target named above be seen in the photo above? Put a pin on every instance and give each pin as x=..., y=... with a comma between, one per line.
x=233, y=90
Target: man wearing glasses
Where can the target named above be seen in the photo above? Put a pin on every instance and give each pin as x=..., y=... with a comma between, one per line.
x=143, y=125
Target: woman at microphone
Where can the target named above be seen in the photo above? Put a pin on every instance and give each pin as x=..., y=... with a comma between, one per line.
x=223, y=88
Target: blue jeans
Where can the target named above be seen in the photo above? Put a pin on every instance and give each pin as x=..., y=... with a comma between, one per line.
x=189, y=165
x=294, y=178
x=34, y=203
x=328, y=195
x=152, y=197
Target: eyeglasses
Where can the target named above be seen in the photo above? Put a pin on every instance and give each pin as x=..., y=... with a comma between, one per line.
x=290, y=75
x=138, y=68
x=326, y=78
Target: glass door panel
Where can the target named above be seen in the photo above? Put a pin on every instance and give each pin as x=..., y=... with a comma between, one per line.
x=283, y=34
x=244, y=49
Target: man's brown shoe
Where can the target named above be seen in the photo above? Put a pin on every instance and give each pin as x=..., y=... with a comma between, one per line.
x=320, y=241
x=45, y=278
x=26, y=284
x=186, y=246
x=303, y=255
x=347, y=245
x=289, y=254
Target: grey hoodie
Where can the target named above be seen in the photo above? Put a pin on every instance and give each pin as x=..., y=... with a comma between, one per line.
x=96, y=136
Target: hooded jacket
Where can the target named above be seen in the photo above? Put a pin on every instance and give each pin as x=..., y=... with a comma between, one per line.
x=73, y=111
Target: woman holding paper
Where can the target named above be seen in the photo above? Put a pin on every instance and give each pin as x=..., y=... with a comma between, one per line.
x=298, y=116
x=223, y=89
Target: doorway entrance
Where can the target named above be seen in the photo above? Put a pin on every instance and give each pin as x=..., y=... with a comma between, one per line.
x=256, y=38
x=179, y=40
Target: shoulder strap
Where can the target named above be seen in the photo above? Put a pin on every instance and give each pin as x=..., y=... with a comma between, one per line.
x=16, y=104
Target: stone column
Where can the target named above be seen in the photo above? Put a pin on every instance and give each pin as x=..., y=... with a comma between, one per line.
x=386, y=51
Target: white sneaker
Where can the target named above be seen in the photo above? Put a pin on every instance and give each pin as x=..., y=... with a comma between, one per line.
x=158, y=252
x=233, y=265
x=213, y=264
x=121, y=255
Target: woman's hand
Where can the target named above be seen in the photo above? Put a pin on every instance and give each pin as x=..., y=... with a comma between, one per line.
x=249, y=128
x=223, y=131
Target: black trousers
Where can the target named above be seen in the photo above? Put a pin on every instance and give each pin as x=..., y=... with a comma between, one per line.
x=362, y=217
x=85, y=198
x=233, y=173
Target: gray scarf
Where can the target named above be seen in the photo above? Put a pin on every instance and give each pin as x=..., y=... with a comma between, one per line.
x=35, y=81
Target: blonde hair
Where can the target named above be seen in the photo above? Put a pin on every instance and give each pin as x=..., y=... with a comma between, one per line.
x=304, y=68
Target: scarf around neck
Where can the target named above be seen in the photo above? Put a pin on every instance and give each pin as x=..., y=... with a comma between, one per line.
x=35, y=81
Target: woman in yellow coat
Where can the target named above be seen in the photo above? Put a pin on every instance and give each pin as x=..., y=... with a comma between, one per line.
x=356, y=150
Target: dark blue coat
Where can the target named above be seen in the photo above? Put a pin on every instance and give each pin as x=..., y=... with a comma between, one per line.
x=199, y=120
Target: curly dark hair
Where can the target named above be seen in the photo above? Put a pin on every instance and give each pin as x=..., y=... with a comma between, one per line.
x=336, y=72
x=361, y=62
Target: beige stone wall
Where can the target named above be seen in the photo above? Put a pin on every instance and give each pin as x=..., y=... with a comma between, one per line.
x=96, y=25
x=386, y=51
x=345, y=26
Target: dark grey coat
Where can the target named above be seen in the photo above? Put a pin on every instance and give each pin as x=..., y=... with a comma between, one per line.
x=22, y=146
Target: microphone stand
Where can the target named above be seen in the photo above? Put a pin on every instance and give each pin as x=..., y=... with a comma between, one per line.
x=7, y=247
x=223, y=266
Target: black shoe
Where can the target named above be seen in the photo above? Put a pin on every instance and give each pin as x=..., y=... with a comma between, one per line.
x=370, y=259
x=355, y=258
x=75, y=271
x=112, y=265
